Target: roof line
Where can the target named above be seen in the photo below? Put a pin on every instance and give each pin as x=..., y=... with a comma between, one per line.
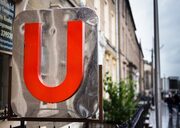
x=129, y=6
x=139, y=45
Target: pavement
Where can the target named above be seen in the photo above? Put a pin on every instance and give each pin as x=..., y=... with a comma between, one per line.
x=168, y=121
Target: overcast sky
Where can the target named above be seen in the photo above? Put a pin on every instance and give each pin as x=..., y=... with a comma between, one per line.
x=169, y=22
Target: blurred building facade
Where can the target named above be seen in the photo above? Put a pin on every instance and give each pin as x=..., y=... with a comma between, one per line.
x=131, y=56
x=120, y=52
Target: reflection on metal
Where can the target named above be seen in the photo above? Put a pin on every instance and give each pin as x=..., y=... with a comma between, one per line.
x=51, y=5
x=32, y=55
x=84, y=103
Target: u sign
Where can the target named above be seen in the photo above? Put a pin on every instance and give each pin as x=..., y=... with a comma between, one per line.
x=55, y=63
x=32, y=61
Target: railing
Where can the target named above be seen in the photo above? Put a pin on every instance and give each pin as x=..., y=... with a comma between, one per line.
x=139, y=117
x=137, y=121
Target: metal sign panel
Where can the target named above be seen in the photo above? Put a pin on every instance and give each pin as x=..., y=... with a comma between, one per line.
x=7, y=12
x=55, y=66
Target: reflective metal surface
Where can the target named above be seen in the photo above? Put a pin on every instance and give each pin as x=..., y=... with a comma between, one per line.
x=84, y=103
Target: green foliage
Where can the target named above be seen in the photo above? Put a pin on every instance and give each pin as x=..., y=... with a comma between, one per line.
x=121, y=104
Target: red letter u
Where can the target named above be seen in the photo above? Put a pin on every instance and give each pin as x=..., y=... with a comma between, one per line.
x=32, y=61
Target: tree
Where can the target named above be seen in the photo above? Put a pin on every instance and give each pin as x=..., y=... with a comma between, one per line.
x=121, y=104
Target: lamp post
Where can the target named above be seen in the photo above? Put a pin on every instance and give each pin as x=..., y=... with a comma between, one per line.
x=157, y=66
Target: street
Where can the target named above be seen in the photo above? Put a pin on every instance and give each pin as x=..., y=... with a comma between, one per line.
x=167, y=121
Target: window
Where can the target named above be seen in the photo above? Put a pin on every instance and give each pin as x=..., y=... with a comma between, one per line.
x=126, y=44
x=113, y=34
x=124, y=71
x=107, y=65
x=126, y=16
x=106, y=19
x=114, y=70
x=123, y=8
x=123, y=42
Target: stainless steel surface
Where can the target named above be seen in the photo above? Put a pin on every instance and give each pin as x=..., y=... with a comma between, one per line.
x=84, y=103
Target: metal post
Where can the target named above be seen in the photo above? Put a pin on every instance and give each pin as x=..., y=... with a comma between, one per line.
x=142, y=92
x=152, y=73
x=157, y=66
x=22, y=124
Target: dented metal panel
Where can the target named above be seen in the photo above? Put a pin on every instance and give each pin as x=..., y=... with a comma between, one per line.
x=84, y=103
